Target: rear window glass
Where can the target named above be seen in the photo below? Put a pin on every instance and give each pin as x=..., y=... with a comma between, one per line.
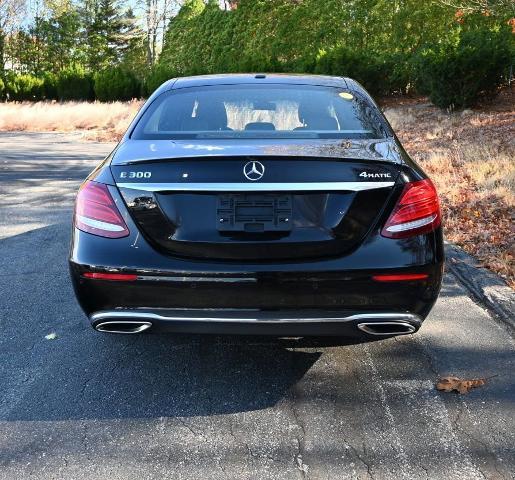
x=260, y=111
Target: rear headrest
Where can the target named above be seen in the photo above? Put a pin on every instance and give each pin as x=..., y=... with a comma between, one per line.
x=308, y=111
x=316, y=117
x=260, y=126
x=171, y=118
x=213, y=114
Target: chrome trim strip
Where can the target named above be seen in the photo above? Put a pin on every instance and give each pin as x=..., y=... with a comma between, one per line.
x=157, y=278
x=110, y=227
x=139, y=326
x=368, y=328
x=399, y=317
x=256, y=186
x=401, y=227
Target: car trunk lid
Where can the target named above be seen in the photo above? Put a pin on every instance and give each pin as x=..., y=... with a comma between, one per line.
x=256, y=207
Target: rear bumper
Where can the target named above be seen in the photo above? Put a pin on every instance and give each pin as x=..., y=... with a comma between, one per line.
x=280, y=297
x=242, y=322
x=305, y=292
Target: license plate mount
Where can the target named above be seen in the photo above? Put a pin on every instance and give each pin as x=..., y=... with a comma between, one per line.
x=254, y=213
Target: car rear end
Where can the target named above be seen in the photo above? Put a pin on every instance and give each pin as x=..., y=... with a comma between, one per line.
x=293, y=236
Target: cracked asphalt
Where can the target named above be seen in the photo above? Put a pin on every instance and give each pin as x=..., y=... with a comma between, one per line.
x=91, y=406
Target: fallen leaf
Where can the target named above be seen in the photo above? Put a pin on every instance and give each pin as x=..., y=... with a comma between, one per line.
x=51, y=336
x=448, y=384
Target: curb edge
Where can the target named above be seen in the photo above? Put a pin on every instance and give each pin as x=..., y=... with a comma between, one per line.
x=488, y=288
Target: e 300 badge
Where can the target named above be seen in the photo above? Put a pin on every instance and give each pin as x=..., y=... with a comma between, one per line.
x=135, y=174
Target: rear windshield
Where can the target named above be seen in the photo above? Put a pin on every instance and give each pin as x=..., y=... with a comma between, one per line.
x=259, y=112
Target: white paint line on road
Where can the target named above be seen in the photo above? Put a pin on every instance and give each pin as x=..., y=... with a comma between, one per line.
x=410, y=402
x=422, y=401
x=406, y=470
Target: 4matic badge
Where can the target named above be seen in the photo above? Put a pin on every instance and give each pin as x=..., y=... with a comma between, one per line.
x=375, y=175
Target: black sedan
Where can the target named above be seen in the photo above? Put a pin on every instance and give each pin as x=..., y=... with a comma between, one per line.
x=258, y=204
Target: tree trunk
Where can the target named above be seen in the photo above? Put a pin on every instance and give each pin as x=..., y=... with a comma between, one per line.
x=2, y=52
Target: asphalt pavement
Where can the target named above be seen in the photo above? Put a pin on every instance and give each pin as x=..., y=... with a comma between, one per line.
x=77, y=404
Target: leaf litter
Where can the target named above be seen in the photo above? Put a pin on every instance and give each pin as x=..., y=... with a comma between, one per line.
x=460, y=385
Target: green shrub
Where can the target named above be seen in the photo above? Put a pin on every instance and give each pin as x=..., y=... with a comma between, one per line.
x=419, y=64
x=24, y=87
x=116, y=84
x=380, y=75
x=2, y=88
x=457, y=76
x=157, y=76
x=74, y=84
x=397, y=74
x=50, y=86
x=344, y=62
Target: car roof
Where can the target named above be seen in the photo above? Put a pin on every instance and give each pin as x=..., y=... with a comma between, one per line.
x=257, y=79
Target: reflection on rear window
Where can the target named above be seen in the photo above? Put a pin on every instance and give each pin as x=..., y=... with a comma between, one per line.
x=260, y=111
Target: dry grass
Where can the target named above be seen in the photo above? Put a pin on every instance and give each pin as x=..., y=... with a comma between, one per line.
x=98, y=121
x=471, y=158
x=470, y=155
x=284, y=117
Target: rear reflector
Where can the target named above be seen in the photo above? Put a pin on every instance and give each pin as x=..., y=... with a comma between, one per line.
x=402, y=277
x=417, y=211
x=121, y=277
x=96, y=212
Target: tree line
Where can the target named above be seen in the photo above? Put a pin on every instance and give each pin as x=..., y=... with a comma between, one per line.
x=453, y=51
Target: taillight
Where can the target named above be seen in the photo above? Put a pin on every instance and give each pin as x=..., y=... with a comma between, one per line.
x=417, y=211
x=121, y=277
x=400, y=277
x=96, y=212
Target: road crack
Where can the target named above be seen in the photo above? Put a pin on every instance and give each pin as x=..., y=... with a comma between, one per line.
x=299, y=455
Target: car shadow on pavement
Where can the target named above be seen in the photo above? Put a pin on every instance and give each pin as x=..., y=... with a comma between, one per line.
x=82, y=374
x=90, y=375
x=85, y=374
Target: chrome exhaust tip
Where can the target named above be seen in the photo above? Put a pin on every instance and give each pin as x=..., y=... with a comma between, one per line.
x=122, y=326
x=387, y=328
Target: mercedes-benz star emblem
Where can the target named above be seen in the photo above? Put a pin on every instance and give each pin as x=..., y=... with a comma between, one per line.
x=254, y=170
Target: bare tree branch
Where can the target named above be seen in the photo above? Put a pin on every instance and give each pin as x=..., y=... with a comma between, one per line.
x=10, y=14
x=480, y=5
x=157, y=15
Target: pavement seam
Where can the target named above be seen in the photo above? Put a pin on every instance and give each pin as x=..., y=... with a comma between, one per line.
x=301, y=440
x=396, y=444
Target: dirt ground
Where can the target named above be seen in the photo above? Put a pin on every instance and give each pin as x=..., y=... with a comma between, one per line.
x=470, y=155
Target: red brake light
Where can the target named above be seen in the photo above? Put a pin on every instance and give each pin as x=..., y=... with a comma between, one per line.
x=122, y=277
x=401, y=277
x=96, y=212
x=417, y=211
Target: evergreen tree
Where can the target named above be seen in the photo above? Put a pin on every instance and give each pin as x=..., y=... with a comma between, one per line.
x=58, y=35
x=108, y=32
x=133, y=51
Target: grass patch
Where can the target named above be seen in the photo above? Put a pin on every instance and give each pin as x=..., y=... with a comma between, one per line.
x=98, y=121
